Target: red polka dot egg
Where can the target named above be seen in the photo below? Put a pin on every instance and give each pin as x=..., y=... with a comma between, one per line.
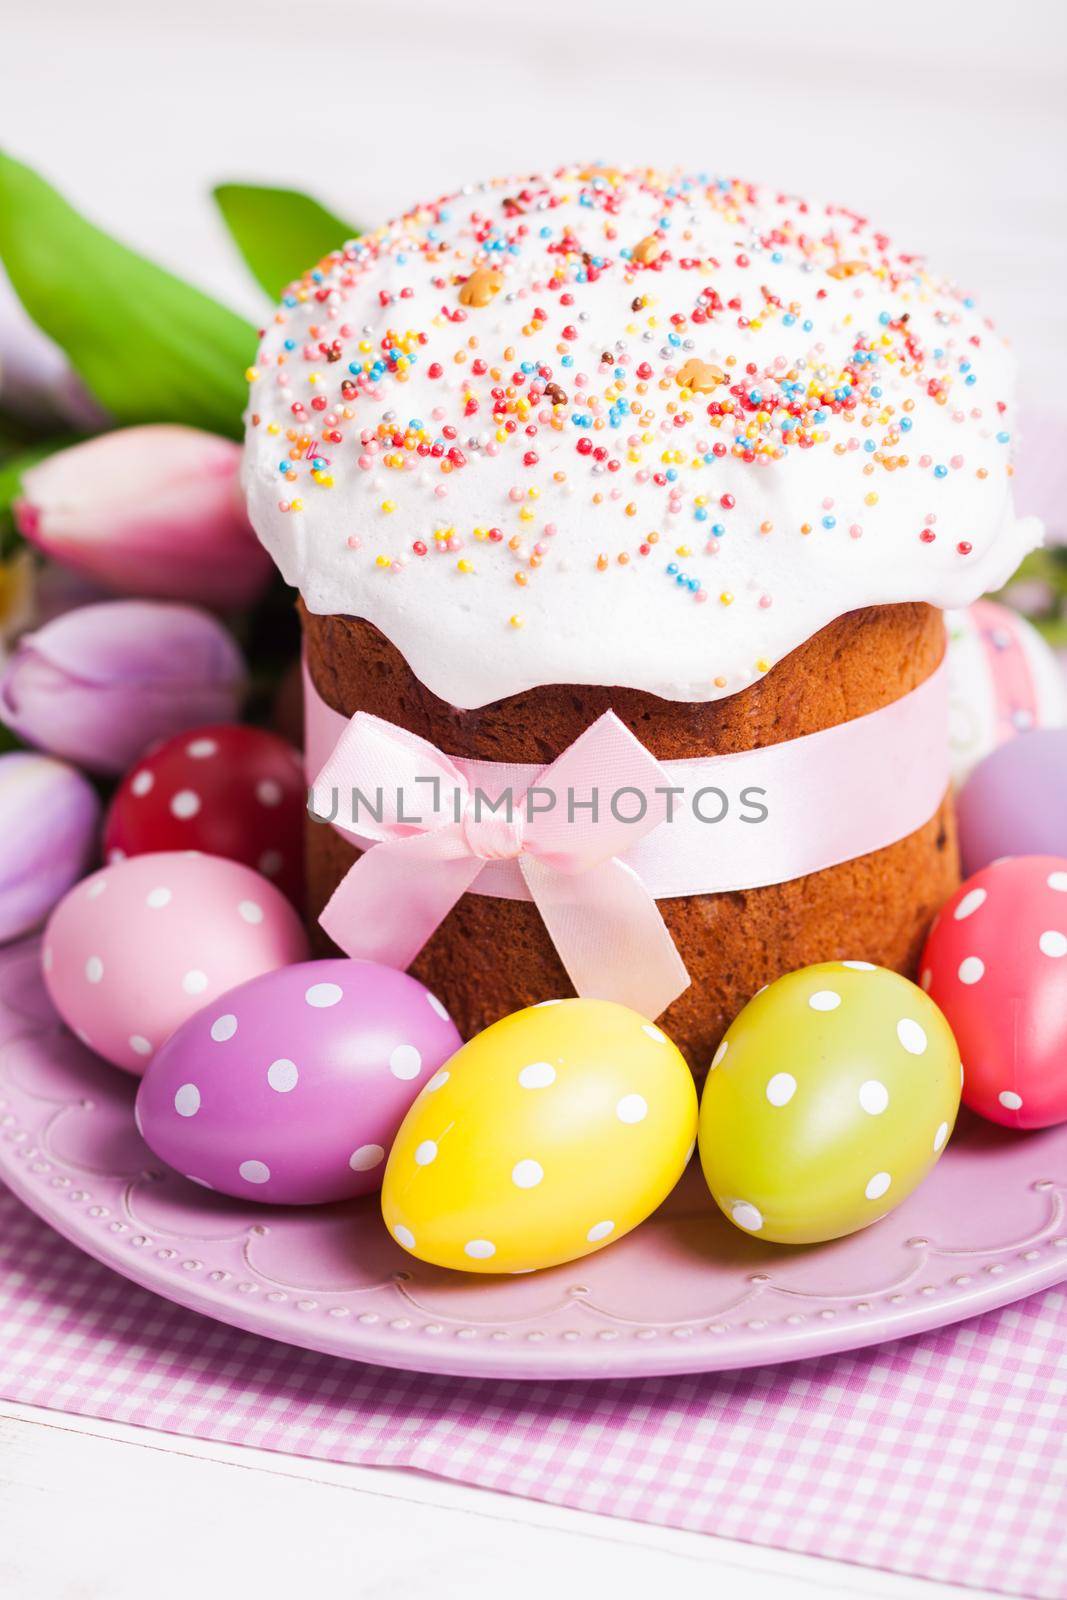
x=996, y=964
x=229, y=791
x=290, y=1089
x=134, y=950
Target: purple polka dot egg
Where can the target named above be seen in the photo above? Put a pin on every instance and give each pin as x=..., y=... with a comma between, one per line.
x=290, y=1089
x=140, y=946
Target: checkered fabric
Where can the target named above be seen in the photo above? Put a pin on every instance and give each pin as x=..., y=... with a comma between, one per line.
x=943, y=1456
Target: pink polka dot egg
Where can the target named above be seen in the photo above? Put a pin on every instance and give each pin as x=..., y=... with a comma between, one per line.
x=996, y=964
x=136, y=949
x=291, y=1088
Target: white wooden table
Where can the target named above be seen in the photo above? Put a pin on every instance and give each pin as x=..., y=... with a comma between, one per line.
x=946, y=122
x=92, y=1509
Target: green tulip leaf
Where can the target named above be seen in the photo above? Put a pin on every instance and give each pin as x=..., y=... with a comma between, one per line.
x=150, y=347
x=279, y=232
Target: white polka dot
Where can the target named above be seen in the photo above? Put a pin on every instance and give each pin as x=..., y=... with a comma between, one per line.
x=527, y=1174
x=438, y=1081
x=538, y=1075
x=1058, y=881
x=158, y=898
x=224, y=1027
x=600, y=1230
x=141, y=784
x=195, y=982
x=877, y=1186
x=479, y=1249
x=405, y=1062
x=971, y=970
x=972, y=902
x=271, y=863
x=824, y=1000
x=94, y=969
x=96, y=888
x=114, y=855
x=201, y=749
x=747, y=1216
x=366, y=1157
x=435, y=1005
x=911, y=1036
x=540, y=1006
x=187, y=1100
x=254, y=1171
x=185, y=804
x=322, y=995
x=940, y=1136
x=249, y=911
x=426, y=1152
x=140, y=1045
x=282, y=1075
x=1010, y=1100
x=404, y=1236
x=654, y=1032
x=926, y=980
x=781, y=1088
x=720, y=1055
x=874, y=1097
x=632, y=1108
x=1053, y=944
x=860, y=966
x=269, y=792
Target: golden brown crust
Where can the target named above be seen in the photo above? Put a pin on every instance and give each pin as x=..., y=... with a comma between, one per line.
x=490, y=956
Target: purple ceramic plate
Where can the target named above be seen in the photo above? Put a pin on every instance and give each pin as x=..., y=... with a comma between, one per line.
x=685, y=1292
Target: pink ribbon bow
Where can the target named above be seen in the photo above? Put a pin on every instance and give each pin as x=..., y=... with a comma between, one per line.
x=601, y=917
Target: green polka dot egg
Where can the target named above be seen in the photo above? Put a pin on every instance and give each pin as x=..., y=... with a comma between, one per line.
x=548, y=1136
x=829, y=1100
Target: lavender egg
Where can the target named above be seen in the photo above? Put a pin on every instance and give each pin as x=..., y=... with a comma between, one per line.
x=1013, y=804
x=290, y=1088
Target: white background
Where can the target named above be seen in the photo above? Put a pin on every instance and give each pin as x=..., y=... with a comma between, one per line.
x=945, y=120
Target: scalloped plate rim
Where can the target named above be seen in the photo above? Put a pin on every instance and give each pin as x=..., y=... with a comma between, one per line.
x=398, y=1342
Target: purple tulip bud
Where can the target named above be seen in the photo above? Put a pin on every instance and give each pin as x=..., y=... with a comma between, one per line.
x=1040, y=483
x=100, y=684
x=156, y=512
x=37, y=384
x=49, y=817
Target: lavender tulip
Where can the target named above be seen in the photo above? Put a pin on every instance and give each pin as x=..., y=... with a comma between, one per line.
x=49, y=817
x=99, y=684
x=1041, y=473
x=36, y=381
x=155, y=512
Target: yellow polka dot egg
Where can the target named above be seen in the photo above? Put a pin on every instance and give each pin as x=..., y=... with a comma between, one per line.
x=829, y=1100
x=548, y=1136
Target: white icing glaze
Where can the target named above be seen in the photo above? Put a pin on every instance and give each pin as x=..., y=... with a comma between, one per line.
x=889, y=481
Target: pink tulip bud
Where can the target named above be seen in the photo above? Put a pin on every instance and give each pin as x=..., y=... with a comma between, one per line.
x=155, y=512
x=100, y=684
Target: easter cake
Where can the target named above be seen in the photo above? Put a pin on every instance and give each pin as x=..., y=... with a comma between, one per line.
x=678, y=448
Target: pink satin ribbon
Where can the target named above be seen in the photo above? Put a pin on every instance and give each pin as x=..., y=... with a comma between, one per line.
x=829, y=797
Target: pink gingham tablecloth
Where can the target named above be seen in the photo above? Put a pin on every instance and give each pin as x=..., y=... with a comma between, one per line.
x=943, y=1456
